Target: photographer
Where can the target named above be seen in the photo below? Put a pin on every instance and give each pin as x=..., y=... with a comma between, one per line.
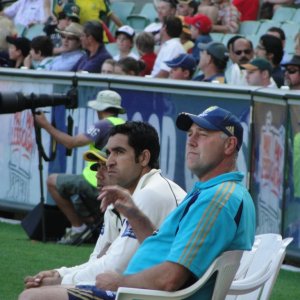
x=63, y=186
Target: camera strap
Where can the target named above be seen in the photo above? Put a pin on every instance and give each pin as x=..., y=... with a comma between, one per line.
x=70, y=130
x=38, y=137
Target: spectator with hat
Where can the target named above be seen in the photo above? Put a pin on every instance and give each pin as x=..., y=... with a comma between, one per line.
x=292, y=73
x=213, y=61
x=71, y=51
x=125, y=42
x=201, y=26
x=63, y=187
x=18, y=49
x=96, y=53
x=186, y=36
x=259, y=72
x=182, y=67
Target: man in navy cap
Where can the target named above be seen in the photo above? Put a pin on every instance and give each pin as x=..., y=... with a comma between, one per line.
x=182, y=67
x=216, y=216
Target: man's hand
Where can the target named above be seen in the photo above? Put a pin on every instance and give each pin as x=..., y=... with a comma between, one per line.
x=41, y=119
x=120, y=198
x=109, y=281
x=49, y=277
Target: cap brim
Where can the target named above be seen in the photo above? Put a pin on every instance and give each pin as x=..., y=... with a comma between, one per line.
x=249, y=67
x=94, y=104
x=184, y=122
x=95, y=156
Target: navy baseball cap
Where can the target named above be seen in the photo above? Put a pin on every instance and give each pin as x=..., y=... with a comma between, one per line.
x=184, y=61
x=213, y=118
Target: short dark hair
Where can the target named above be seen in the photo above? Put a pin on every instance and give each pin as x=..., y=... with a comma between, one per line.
x=273, y=45
x=141, y=136
x=279, y=31
x=44, y=44
x=145, y=42
x=173, y=26
x=95, y=29
x=239, y=37
x=129, y=64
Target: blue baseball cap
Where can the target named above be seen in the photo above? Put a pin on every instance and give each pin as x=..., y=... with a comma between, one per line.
x=213, y=118
x=184, y=61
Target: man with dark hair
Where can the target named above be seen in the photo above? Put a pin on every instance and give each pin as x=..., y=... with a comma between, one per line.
x=170, y=46
x=63, y=187
x=217, y=215
x=292, y=73
x=213, y=61
x=96, y=54
x=270, y=48
x=278, y=32
x=132, y=162
x=240, y=52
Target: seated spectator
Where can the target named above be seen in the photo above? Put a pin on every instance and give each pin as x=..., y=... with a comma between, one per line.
x=240, y=52
x=207, y=8
x=108, y=66
x=129, y=66
x=170, y=46
x=259, y=72
x=153, y=193
x=292, y=73
x=18, y=49
x=96, y=53
x=7, y=28
x=186, y=8
x=71, y=51
x=201, y=26
x=270, y=47
x=248, y=9
x=145, y=44
x=28, y=12
x=228, y=17
x=279, y=33
x=182, y=67
x=213, y=62
x=125, y=42
x=275, y=4
x=40, y=54
x=186, y=36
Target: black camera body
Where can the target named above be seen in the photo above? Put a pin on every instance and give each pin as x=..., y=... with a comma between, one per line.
x=16, y=102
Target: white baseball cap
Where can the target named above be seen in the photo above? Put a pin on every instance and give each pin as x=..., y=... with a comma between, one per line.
x=127, y=30
x=106, y=99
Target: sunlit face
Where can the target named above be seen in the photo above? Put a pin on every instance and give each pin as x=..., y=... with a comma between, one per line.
x=254, y=77
x=182, y=9
x=124, y=43
x=194, y=32
x=119, y=71
x=164, y=9
x=123, y=167
x=205, y=150
x=107, y=68
x=241, y=52
x=260, y=51
x=70, y=42
x=292, y=76
x=14, y=53
x=179, y=73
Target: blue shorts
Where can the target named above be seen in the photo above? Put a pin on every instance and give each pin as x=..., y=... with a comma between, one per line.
x=89, y=292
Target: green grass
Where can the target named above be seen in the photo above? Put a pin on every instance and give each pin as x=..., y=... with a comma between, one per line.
x=20, y=257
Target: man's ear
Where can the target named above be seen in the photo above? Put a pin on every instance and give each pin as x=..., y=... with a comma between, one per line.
x=230, y=145
x=144, y=157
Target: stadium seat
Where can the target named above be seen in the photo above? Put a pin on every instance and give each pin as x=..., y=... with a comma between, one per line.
x=296, y=17
x=20, y=29
x=264, y=26
x=290, y=29
x=254, y=38
x=34, y=30
x=249, y=27
x=283, y=14
x=112, y=48
x=289, y=45
x=227, y=37
x=138, y=22
x=216, y=36
x=122, y=10
x=149, y=11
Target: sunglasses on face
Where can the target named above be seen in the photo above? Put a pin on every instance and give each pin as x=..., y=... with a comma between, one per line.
x=246, y=51
x=69, y=38
x=292, y=71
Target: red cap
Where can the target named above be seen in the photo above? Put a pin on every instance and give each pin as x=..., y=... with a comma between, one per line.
x=200, y=21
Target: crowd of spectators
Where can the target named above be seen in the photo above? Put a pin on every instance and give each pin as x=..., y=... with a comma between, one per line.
x=79, y=32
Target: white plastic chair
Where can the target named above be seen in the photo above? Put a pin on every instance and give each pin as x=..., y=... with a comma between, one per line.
x=258, y=281
x=226, y=265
